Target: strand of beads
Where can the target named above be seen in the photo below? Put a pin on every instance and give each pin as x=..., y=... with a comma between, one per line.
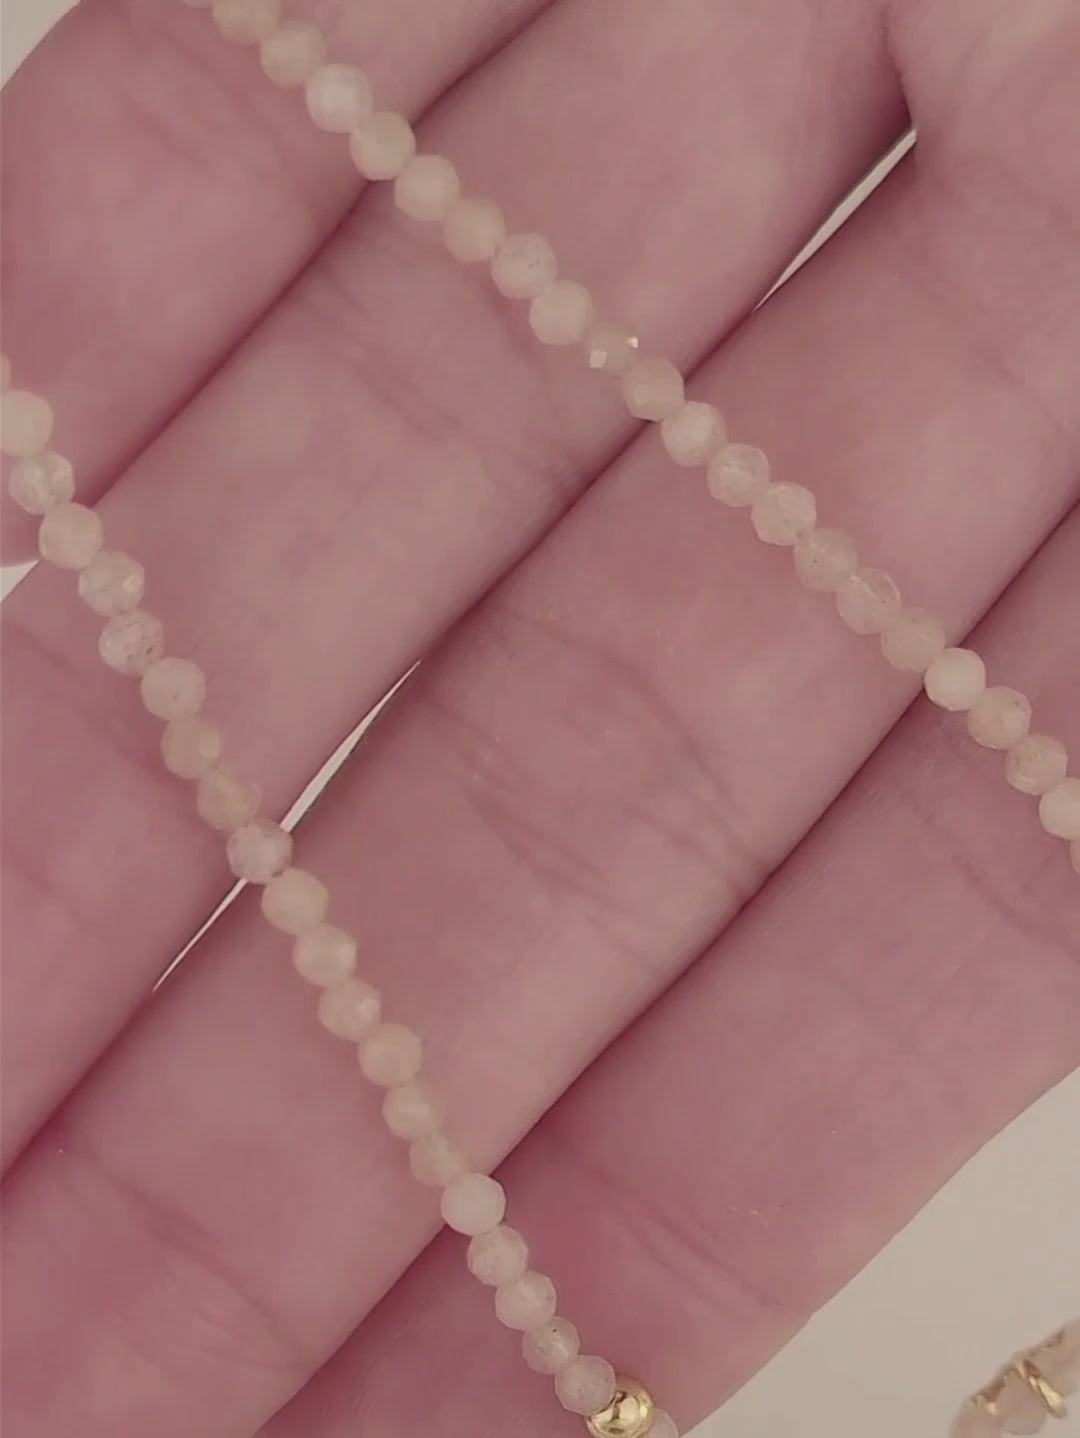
x=294, y=901
x=561, y=312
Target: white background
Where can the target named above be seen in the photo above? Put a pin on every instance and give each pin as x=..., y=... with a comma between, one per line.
x=991, y=1265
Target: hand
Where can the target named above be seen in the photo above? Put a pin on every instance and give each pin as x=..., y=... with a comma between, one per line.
x=644, y=788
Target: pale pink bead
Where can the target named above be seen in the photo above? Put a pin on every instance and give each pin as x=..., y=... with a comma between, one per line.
x=1018, y=1409
x=427, y=187
x=523, y=265
x=292, y=53
x=498, y=1258
x=1059, y=1358
x=26, y=422
x=224, y=800
x=652, y=388
x=247, y=22
x=550, y=1348
x=112, y=583
x=974, y=1421
x=1036, y=764
x=191, y=747
x=782, y=512
x=350, y=1009
x=435, y=1160
x=390, y=1055
x=694, y=433
x=868, y=601
x=173, y=688
x=473, y=1204
x=338, y=98
x=527, y=1302
x=561, y=313
x=609, y=347
x=295, y=901
x=738, y=474
x=412, y=1110
x=999, y=717
x=259, y=850
x=912, y=640
x=70, y=535
x=130, y=643
x=1059, y=810
x=474, y=230
x=955, y=679
x=39, y=482
x=586, y=1385
x=663, y=1426
x=825, y=559
x=325, y=954
x=383, y=145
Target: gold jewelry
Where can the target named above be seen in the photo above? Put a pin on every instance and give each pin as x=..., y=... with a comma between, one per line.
x=630, y=1414
x=1030, y=1389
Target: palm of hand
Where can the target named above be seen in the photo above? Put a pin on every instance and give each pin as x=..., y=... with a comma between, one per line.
x=329, y=445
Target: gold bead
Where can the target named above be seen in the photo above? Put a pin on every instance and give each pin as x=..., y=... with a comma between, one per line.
x=629, y=1416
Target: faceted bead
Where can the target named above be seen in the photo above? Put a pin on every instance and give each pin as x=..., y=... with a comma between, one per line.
x=738, y=475
x=550, y=1348
x=1059, y=810
x=258, y=851
x=523, y=265
x=912, y=640
x=26, y=422
x=868, y=601
x=663, y=1426
x=427, y=187
x=825, y=559
x=474, y=230
x=586, y=1385
x=412, y=1110
x=224, y=800
x=782, y=513
x=191, y=747
x=338, y=98
x=999, y=717
x=292, y=53
x=390, y=1055
x=498, y=1258
x=295, y=901
x=70, y=535
x=473, y=1204
x=41, y=481
x=383, y=145
x=247, y=22
x=561, y=313
x=1036, y=763
x=652, y=388
x=130, y=643
x=350, y=1009
x=435, y=1160
x=325, y=954
x=527, y=1302
x=610, y=347
x=973, y=1421
x=694, y=433
x=112, y=583
x=173, y=688
x=955, y=679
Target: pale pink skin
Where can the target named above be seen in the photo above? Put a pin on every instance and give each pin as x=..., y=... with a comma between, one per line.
x=570, y=808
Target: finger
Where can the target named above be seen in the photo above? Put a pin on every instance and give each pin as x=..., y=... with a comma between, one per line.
x=377, y=567
x=189, y=193
x=902, y=988
x=582, y=834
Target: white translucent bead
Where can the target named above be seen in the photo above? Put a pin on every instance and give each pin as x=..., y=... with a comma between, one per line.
x=41, y=481
x=247, y=22
x=427, y=188
x=473, y=1204
x=338, y=98
x=26, y=422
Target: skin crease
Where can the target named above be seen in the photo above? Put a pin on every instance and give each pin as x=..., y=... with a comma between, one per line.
x=598, y=790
